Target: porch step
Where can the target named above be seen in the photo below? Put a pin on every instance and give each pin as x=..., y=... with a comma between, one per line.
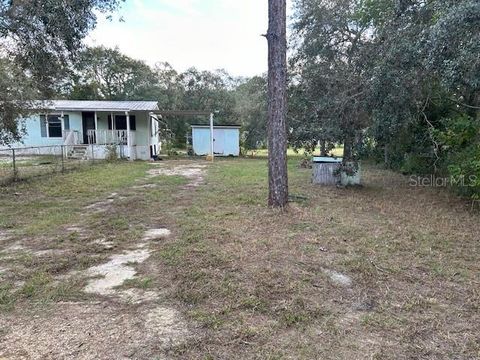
x=78, y=152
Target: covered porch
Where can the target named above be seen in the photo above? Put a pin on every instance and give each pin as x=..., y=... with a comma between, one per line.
x=130, y=127
x=100, y=130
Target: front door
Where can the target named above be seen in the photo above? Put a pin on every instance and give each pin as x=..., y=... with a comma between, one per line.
x=88, y=119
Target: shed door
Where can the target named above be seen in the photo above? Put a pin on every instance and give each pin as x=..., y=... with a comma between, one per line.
x=219, y=141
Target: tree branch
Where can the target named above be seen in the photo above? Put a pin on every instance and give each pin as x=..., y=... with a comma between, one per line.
x=464, y=105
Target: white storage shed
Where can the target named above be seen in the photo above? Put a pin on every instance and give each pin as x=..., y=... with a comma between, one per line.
x=226, y=140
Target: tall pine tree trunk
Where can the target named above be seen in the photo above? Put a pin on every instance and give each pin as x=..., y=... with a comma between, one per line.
x=277, y=103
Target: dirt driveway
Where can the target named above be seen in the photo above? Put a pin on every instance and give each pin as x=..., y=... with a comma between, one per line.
x=89, y=291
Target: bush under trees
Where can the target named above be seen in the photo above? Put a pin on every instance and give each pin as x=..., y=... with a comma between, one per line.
x=398, y=81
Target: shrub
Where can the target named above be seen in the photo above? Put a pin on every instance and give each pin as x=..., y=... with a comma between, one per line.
x=112, y=153
x=461, y=152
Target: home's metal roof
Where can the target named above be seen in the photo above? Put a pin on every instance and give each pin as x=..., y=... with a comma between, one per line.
x=183, y=112
x=96, y=105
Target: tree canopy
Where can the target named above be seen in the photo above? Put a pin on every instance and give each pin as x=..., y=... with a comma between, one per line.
x=42, y=34
x=107, y=74
x=102, y=73
x=38, y=41
x=397, y=80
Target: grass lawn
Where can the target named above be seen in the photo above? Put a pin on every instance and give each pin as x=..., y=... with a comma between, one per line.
x=378, y=272
x=338, y=151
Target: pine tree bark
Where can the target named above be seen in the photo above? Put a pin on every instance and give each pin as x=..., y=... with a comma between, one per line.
x=277, y=103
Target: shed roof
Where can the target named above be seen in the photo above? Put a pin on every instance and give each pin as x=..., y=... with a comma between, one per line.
x=96, y=105
x=218, y=126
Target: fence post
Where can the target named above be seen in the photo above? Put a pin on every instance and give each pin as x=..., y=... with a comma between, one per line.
x=63, y=157
x=14, y=165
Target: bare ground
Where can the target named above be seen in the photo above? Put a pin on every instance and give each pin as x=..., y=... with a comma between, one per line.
x=103, y=330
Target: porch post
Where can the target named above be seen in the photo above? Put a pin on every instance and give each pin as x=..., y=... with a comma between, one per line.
x=114, y=136
x=62, y=124
x=96, y=129
x=149, y=124
x=212, y=139
x=129, y=140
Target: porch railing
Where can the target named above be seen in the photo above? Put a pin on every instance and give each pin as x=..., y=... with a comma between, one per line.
x=110, y=137
x=71, y=137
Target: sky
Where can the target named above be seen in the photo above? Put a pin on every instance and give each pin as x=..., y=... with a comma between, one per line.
x=207, y=34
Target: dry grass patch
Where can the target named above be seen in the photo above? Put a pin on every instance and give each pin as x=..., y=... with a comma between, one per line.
x=260, y=281
x=253, y=282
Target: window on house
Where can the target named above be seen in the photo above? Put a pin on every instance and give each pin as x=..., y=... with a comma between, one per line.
x=121, y=122
x=54, y=125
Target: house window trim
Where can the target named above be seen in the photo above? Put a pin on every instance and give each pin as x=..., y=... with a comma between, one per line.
x=62, y=124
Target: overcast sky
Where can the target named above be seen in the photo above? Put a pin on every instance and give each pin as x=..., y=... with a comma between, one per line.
x=207, y=34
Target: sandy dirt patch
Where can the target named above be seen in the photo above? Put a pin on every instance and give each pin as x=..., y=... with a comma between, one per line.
x=146, y=186
x=104, y=243
x=121, y=267
x=338, y=278
x=137, y=296
x=100, y=206
x=4, y=235
x=194, y=172
x=49, y=252
x=115, y=272
x=155, y=234
x=104, y=205
x=91, y=331
x=74, y=228
x=15, y=247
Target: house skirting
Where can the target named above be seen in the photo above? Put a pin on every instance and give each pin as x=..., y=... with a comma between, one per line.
x=139, y=152
x=97, y=152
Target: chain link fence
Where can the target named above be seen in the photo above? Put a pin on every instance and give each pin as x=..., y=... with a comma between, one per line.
x=17, y=164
